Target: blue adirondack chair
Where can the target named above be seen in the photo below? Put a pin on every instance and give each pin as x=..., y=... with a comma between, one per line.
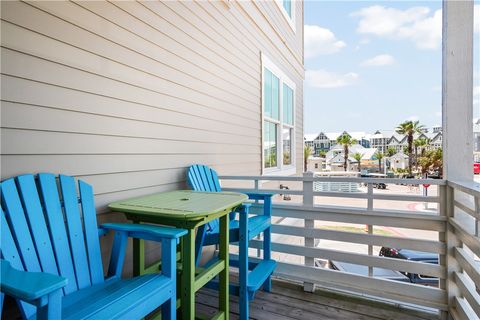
x=51, y=261
x=252, y=275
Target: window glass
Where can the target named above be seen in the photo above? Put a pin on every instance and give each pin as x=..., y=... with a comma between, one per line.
x=272, y=93
x=270, y=144
x=287, y=104
x=287, y=146
x=287, y=5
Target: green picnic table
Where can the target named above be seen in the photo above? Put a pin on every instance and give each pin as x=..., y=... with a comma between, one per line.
x=189, y=210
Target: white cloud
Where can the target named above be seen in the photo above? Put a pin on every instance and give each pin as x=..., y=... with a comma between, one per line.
x=476, y=91
x=324, y=79
x=319, y=41
x=413, y=118
x=438, y=113
x=380, y=60
x=417, y=24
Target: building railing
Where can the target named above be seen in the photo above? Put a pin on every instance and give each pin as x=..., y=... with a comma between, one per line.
x=456, y=271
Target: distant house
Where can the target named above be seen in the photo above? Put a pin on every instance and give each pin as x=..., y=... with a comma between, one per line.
x=316, y=164
x=335, y=157
x=398, y=161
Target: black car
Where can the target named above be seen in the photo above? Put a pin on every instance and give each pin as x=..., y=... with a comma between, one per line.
x=413, y=255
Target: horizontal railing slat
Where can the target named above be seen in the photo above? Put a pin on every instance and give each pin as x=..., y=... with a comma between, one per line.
x=428, y=269
x=468, y=264
x=382, y=288
x=463, y=311
x=359, y=216
x=438, y=182
x=468, y=291
x=372, y=239
x=470, y=240
x=466, y=209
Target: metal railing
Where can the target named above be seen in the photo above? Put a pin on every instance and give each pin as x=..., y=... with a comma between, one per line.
x=310, y=209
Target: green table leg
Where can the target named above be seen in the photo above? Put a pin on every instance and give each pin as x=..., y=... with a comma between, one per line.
x=223, y=255
x=188, y=276
x=138, y=257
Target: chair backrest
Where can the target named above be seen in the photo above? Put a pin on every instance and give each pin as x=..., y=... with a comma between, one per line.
x=47, y=227
x=203, y=178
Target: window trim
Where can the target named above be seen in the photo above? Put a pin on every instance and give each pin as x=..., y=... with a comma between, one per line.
x=280, y=169
x=290, y=20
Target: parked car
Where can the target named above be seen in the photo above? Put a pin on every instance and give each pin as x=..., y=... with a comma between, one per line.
x=379, y=185
x=363, y=271
x=476, y=168
x=413, y=255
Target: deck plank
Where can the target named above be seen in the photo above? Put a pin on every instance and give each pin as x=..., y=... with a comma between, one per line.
x=288, y=301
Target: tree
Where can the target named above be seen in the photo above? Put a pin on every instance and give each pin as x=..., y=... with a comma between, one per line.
x=379, y=157
x=357, y=156
x=307, y=151
x=419, y=143
x=409, y=128
x=322, y=153
x=432, y=160
x=391, y=151
x=346, y=141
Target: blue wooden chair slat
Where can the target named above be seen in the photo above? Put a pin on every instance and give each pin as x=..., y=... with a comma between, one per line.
x=9, y=251
x=54, y=215
x=91, y=232
x=16, y=216
x=31, y=201
x=75, y=232
x=36, y=237
x=203, y=178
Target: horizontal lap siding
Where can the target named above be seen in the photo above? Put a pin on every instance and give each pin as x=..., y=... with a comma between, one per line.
x=126, y=95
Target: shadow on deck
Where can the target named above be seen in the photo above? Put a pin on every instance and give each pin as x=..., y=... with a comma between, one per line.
x=288, y=301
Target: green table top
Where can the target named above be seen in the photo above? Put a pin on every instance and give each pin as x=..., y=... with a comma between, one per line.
x=181, y=205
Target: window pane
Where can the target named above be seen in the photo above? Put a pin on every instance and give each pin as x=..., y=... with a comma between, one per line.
x=275, y=97
x=267, y=88
x=270, y=144
x=287, y=146
x=287, y=4
x=287, y=105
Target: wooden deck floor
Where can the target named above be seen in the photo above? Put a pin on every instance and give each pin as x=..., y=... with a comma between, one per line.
x=288, y=301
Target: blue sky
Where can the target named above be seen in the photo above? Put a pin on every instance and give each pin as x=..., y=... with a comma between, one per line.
x=371, y=65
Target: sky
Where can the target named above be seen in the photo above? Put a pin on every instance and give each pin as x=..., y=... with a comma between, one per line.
x=370, y=65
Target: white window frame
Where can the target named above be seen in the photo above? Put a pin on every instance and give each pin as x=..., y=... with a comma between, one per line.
x=280, y=169
x=290, y=20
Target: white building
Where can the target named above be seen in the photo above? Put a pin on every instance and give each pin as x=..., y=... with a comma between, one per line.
x=398, y=161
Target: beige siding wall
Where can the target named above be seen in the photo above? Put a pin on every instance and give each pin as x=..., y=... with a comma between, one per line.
x=126, y=95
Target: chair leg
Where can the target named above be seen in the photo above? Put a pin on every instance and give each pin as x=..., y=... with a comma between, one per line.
x=169, y=309
x=267, y=243
x=243, y=263
x=53, y=309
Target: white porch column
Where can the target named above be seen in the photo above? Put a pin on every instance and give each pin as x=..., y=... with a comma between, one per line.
x=457, y=89
x=457, y=121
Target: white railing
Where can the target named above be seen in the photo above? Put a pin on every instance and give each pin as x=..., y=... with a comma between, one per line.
x=311, y=207
x=462, y=237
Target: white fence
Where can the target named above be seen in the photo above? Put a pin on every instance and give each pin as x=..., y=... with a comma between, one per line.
x=457, y=271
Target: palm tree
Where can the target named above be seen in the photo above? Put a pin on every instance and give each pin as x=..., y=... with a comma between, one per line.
x=346, y=141
x=357, y=156
x=409, y=128
x=391, y=151
x=419, y=143
x=379, y=157
x=322, y=153
x=307, y=151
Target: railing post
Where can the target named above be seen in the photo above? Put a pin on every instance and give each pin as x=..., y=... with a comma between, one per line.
x=369, y=226
x=309, y=242
x=449, y=261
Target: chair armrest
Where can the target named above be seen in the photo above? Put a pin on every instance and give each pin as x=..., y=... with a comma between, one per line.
x=28, y=286
x=146, y=231
x=259, y=195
